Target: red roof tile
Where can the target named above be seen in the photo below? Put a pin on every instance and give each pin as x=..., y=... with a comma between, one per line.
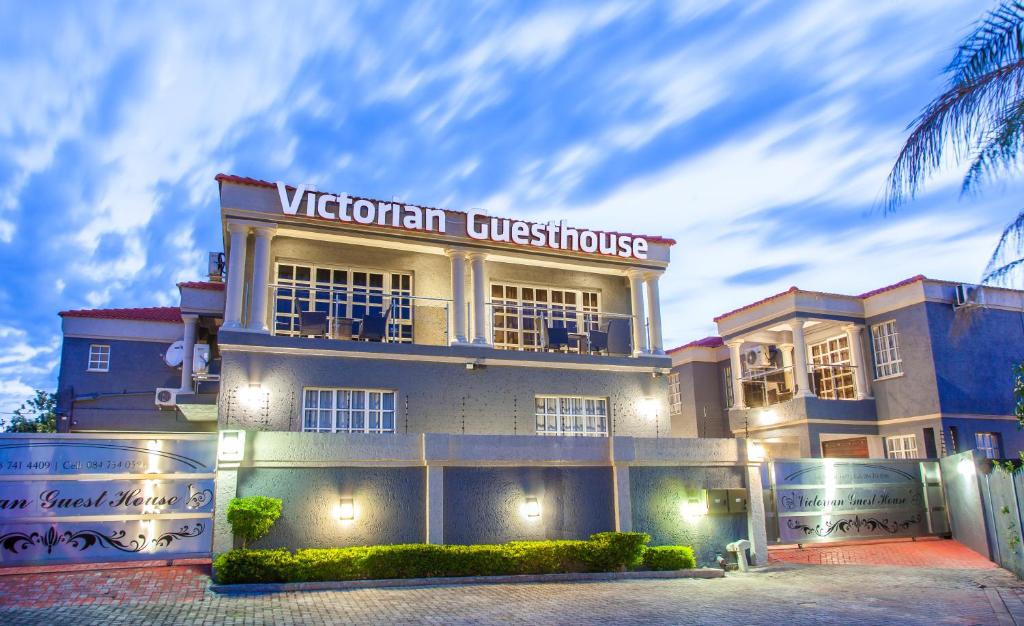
x=211, y=286
x=255, y=182
x=706, y=342
x=902, y=283
x=792, y=289
x=146, y=314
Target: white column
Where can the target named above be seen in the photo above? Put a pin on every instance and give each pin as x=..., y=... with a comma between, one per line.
x=189, y=340
x=236, y=275
x=859, y=362
x=800, y=359
x=479, y=266
x=636, y=279
x=623, y=499
x=654, y=311
x=260, y=278
x=787, y=363
x=756, y=520
x=458, y=257
x=435, y=504
x=736, y=364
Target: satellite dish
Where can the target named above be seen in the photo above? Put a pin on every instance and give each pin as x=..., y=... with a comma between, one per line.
x=175, y=353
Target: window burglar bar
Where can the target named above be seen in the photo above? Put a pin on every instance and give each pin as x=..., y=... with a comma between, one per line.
x=520, y=326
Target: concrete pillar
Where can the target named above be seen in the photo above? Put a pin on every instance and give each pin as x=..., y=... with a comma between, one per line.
x=227, y=489
x=435, y=504
x=860, y=364
x=480, y=285
x=800, y=359
x=736, y=364
x=187, y=365
x=623, y=499
x=260, y=278
x=756, y=523
x=787, y=363
x=239, y=234
x=636, y=279
x=458, y=258
x=654, y=311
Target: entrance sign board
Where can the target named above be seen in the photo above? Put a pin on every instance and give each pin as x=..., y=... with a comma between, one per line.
x=819, y=500
x=84, y=497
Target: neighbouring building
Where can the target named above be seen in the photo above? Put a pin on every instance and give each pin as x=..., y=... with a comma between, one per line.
x=921, y=368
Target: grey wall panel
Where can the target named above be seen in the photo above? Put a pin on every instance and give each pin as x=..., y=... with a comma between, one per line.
x=659, y=492
x=485, y=505
x=390, y=505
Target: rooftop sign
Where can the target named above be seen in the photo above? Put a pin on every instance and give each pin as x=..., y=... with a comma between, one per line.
x=478, y=225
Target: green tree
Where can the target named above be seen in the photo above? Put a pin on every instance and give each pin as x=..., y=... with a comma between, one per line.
x=980, y=119
x=38, y=414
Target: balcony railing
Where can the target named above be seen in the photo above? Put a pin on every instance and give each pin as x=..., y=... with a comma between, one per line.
x=774, y=386
x=518, y=326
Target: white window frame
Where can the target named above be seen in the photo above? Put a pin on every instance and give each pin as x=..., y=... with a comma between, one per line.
x=327, y=406
x=886, y=349
x=552, y=415
x=991, y=450
x=507, y=323
x=727, y=386
x=836, y=383
x=675, y=396
x=99, y=358
x=901, y=447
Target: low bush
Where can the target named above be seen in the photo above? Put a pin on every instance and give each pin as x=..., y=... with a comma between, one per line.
x=252, y=517
x=603, y=552
x=669, y=558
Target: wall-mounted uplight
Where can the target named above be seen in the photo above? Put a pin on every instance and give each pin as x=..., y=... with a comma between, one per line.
x=648, y=408
x=346, y=510
x=232, y=445
x=755, y=451
x=694, y=507
x=532, y=507
x=253, y=396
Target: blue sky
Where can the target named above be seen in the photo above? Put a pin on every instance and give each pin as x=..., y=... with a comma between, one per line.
x=758, y=134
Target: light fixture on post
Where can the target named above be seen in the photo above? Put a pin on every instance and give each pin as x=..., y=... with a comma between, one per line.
x=755, y=451
x=346, y=510
x=532, y=507
x=232, y=446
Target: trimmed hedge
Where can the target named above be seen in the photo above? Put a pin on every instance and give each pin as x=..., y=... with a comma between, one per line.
x=603, y=552
x=669, y=558
x=252, y=517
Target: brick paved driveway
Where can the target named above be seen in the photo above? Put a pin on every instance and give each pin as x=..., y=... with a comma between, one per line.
x=782, y=593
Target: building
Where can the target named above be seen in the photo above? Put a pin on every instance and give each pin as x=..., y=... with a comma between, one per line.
x=345, y=314
x=921, y=368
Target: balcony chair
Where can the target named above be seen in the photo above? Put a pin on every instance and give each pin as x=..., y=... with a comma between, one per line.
x=598, y=341
x=374, y=326
x=556, y=337
x=619, y=338
x=312, y=324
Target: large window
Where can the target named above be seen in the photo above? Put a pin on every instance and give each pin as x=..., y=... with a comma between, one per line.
x=348, y=410
x=988, y=444
x=887, y=350
x=830, y=365
x=99, y=358
x=901, y=447
x=342, y=293
x=572, y=415
x=520, y=313
x=727, y=386
x=675, y=399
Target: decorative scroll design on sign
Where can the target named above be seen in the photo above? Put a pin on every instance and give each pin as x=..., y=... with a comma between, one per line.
x=885, y=468
x=188, y=461
x=197, y=499
x=82, y=540
x=857, y=523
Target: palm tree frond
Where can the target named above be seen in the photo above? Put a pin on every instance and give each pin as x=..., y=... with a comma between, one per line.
x=998, y=40
x=1000, y=151
x=1001, y=275
x=1011, y=242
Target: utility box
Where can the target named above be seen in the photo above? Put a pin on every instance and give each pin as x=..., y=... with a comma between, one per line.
x=718, y=501
x=737, y=500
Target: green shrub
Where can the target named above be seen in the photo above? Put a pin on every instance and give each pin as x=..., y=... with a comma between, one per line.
x=603, y=552
x=252, y=517
x=669, y=558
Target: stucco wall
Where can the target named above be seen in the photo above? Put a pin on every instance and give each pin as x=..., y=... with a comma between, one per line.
x=657, y=495
x=389, y=503
x=485, y=505
x=914, y=393
x=700, y=390
x=436, y=397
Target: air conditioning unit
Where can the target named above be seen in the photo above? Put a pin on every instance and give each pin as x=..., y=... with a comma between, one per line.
x=166, y=397
x=967, y=295
x=760, y=356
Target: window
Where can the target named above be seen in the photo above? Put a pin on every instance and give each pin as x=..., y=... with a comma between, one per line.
x=99, y=358
x=887, y=350
x=988, y=444
x=520, y=312
x=342, y=292
x=572, y=415
x=832, y=371
x=902, y=447
x=727, y=386
x=348, y=410
x=675, y=400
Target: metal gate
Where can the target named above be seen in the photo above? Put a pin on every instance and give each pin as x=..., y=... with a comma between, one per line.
x=821, y=500
x=109, y=497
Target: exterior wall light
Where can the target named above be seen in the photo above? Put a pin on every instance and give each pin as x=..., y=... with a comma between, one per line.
x=755, y=451
x=253, y=396
x=346, y=510
x=232, y=445
x=532, y=507
x=648, y=408
x=694, y=507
